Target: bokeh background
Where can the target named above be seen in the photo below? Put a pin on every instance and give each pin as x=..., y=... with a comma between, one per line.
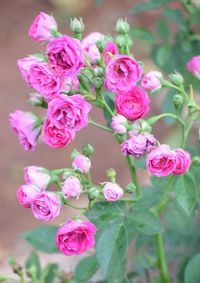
x=16, y=17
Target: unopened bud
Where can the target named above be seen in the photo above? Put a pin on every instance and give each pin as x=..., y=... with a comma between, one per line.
x=122, y=26
x=88, y=150
x=97, y=83
x=120, y=41
x=130, y=188
x=77, y=26
x=176, y=78
x=111, y=174
x=98, y=72
x=36, y=99
x=178, y=101
x=101, y=44
x=93, y=193
x=196, y=160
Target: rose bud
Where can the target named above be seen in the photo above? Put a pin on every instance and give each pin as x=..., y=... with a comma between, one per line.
x=37, y=176
x=25, y=195
x=183, y=162
x=110, y=50
x=42, y=27
x=133, y=104
x=24, y=66
x=75, y=237
x=76, y=25
x=138, y=144
x=193, y=66
x=118, y=124
x=23, y=124
x=81, y=163
x=112, y=192
x=89, y=46
x=151, y=82
x=161, y=161
x=122, y=26
x=46, y=206
x=72, y=187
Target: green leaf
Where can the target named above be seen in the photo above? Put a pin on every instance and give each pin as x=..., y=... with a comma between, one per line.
x=104, y=211
x=163, y=54
x=49, y=273
x=167, y=106
x=3, y=278
x=141, y=33
x=147, y=6
x=144, y=261
x=34, y=261
x=85, y=269
x=186, y=193
x=174, y=15
x=42, y=238
x=145, y=203
x=146, y=223
x=162, y=29
x=111, y=253
x=181, y=269
x=192, y=271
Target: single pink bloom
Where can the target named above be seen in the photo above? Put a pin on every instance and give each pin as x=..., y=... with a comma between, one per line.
x=37, y=176
x=112, y=191
x=41, y=28
x=183, y=161
x=193, y=66
x=118, y=124
x=75, y=237
x=82, y=163
x=89, y=46
x=72, y=187
x=22, y=124
x=25, y=195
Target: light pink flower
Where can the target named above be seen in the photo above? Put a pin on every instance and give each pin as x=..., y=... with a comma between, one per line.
x=118, y=124
x=65, y=56
x=82, y=163
x=183, y=161
x=151, y=82
x=24, y=66
x=22, y=124
x=112, y=192
x=69, y=84
x=37, y=176
x=25, y=195
x=44, y=80
x=110, y=49
x=122, y=73
x=41, y=28
x=133, y=104
x=193, y=66
x=75, y=237
x=55, y=137
x=138, y=144
x=89, y=46
x=46, y=206
x=70, y=112
x=161, y=161
x=72, y=187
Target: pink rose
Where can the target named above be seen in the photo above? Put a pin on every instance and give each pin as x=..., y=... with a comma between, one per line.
x=193, y=66
x=112, y=192
x=24, y=66
x=183, y=162
x=55, y=137
x=133, y=104
x=110, y=49
x=118, y=124
x=138, y=144
x=65, y=56
x=43, y=79
x=41, y=28
x=89, y=46
x=25, y=195
x=72, y=187
x=81, y=163
x=122, y=73
x=151, y=82
x=161, y=161
x=46, y=206
x=69, y=84
x=22, y=124
x=70, y=112
x=75, y=237
x=37, y=176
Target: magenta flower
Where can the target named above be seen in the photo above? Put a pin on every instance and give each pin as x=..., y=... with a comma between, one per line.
x=72, y=187
x=183, y=162
x=193, y=66
x=82, y=163
x=26, y=194
x=151, y=82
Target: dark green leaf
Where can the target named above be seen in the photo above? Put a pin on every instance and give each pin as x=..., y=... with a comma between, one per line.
x=141, y=33
x=162, y=29
x=144, y=261
x=111, y=253
x=192, y=271
x=145, y=203
x=174, y=15
x=85, y=269
x=186, y=193
x=42, y=238
x=181, y=269
x=33, y=261
x=49, y=273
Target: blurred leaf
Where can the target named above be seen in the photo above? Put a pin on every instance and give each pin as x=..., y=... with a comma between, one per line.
x=144, y=261
x=3, y=278
x=186, y=193
x=162, y=29
x=192, y=271
x=141, y=33
x=181, y=269
x=162, y=55
x=34, y=261
x=111, y=253
x=145, y=203
x=151, y=5
x=42, y=238
x=167, y=107
x=85, y=269
x=174, y=15
x=49, y=273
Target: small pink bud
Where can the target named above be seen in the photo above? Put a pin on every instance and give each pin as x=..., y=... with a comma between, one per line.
x=151, y=82
x=72, y=187
x=37, y=176
x=25, y=195
x=112, y=192
x=81, y=163
x=193, y=66
x=118, y=124
x=183, y=162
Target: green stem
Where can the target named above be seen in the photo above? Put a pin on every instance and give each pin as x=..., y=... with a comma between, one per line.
x=134, y=175
x=75, y=207
x=99, y=126
x=161, y=259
